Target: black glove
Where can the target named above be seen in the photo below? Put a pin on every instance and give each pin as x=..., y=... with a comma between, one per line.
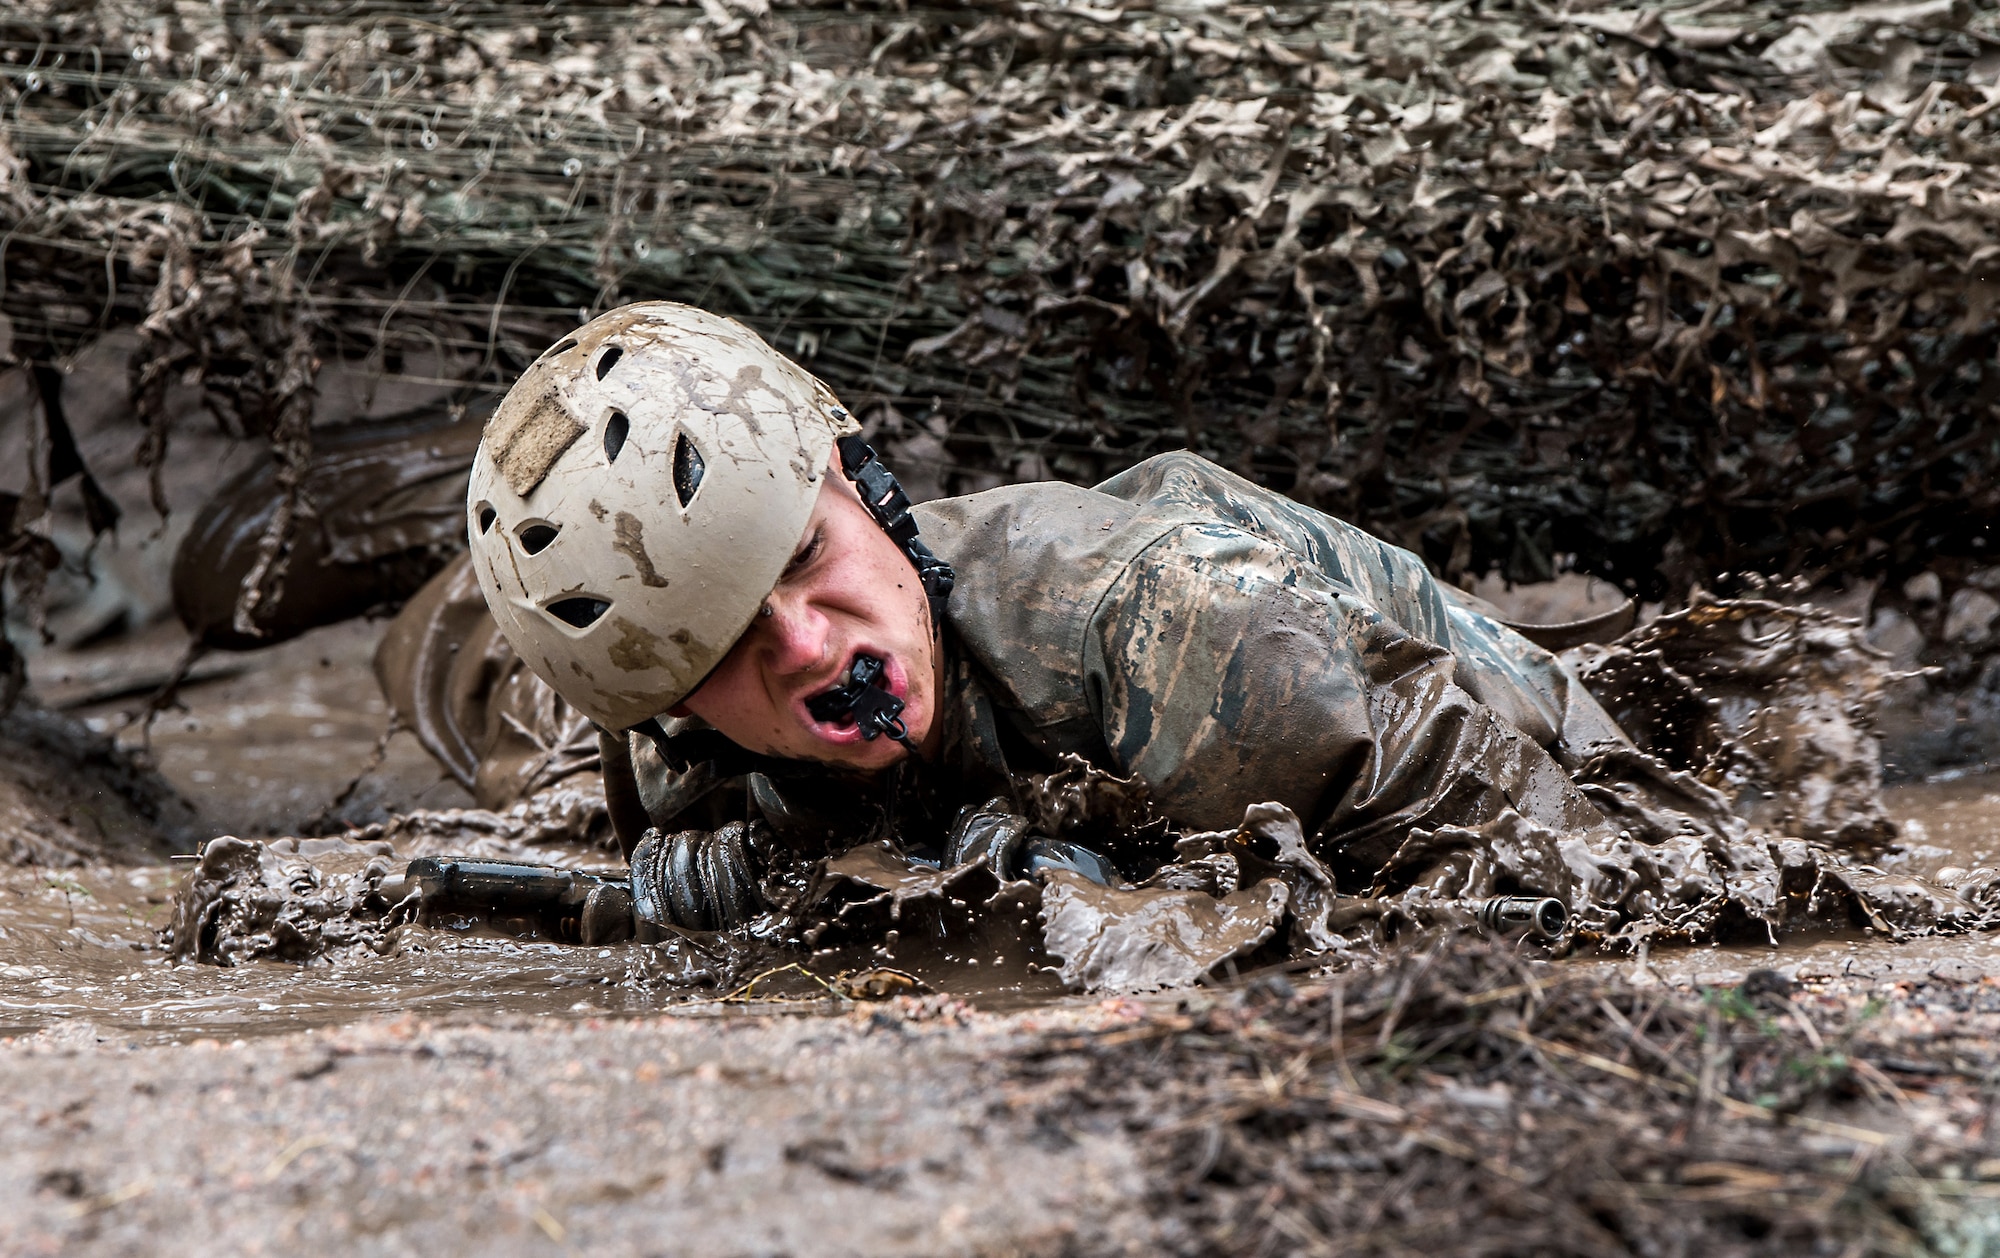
x=1002, y=841
x=697, y=879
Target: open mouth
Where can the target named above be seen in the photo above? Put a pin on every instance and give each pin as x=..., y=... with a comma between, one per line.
x=835, y=704
x=861, y=699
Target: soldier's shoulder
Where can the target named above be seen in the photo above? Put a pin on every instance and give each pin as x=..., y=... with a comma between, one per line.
x=1013, y=505
x=1033, y=564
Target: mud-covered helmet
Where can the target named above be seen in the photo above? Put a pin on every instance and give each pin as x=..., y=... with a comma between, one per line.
x=636, y=497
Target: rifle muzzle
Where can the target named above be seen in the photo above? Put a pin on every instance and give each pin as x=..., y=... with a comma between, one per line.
x=1525, y=916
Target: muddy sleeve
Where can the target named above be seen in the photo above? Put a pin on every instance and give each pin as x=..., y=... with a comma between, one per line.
x=700, y=795
x=1226, y=674
x=1531, y=687
x=621, y=791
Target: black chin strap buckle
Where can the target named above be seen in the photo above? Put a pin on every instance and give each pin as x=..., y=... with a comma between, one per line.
x=883, y=495
x=863, y=701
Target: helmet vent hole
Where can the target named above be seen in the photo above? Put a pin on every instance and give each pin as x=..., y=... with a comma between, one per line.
x=580, y=612
x=562, y=347
x=607, y=360
x=688, y=467
x=486, y=517
x=615, y=430
x=535, y=538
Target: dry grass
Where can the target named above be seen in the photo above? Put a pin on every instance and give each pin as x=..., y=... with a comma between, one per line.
x=1463, y=1101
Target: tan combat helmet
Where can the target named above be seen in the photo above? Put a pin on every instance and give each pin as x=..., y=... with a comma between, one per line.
x=638, y=494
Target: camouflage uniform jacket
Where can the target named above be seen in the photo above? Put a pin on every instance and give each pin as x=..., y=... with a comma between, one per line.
x=1219, y=642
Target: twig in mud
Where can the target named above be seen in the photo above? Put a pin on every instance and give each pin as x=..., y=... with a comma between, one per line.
x=742, y=994
x=1498, y=993
x=1878, y=1084
x=550, y=1225
x=130, y=1192
x=169, y=693
x=324, y=817
x=1338, y=1017
x=1396, y=1005
x=1838, y=1188
x=1738, y=1108
x=290, y=1153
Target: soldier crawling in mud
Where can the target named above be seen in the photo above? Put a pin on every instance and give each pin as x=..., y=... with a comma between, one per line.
x=682, y=532
x=1178, y=718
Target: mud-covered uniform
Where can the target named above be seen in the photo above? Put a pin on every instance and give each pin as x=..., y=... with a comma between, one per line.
x=1220, y=643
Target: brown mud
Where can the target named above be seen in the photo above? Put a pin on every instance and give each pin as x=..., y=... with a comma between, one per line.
x=266, y=745
x=466, y=1087
x=1754, y=707
x=1461, y=1101
x=85, y=944
x=865, y=1134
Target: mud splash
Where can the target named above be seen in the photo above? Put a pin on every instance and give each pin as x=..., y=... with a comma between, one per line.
x=1772, y=704
x=83, y=945
x=248, y=901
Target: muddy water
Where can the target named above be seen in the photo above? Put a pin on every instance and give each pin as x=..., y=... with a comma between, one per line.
x=1944, y=823
x=260, y=743
x=263, y=743
x=81, y=947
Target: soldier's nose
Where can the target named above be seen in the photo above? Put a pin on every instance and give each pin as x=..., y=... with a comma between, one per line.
x=795, y=635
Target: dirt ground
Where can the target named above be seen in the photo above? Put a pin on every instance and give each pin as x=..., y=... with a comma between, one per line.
x=868, y=1133
x=478, y=1093
x=1432, y=1107
x=481, y=1094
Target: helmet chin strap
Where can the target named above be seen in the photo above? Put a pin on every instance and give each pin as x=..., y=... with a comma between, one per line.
x=863, y=699
x=883, y=495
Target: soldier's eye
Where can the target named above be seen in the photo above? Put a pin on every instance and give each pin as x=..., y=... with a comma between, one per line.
x=806, y=554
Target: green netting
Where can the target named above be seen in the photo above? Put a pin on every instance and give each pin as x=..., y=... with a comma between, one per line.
x=1672, y=292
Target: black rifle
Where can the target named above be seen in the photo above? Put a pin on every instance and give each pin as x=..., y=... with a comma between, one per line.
x=566, y=904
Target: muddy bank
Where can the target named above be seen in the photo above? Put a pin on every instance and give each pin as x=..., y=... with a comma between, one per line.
x=1461, y=1102
x=69, y=795
x=281, y=741
x=878, y=1134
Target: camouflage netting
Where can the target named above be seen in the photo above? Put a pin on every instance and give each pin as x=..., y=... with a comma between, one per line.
x=1674, y=292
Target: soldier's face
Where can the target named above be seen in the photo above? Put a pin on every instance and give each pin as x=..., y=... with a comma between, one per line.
x=849, y=591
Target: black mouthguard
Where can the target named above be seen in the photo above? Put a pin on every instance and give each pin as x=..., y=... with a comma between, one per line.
x=865, y=703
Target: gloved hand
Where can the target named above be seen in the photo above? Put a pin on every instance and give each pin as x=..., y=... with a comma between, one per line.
x=698, y=879
x=1004, y=842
